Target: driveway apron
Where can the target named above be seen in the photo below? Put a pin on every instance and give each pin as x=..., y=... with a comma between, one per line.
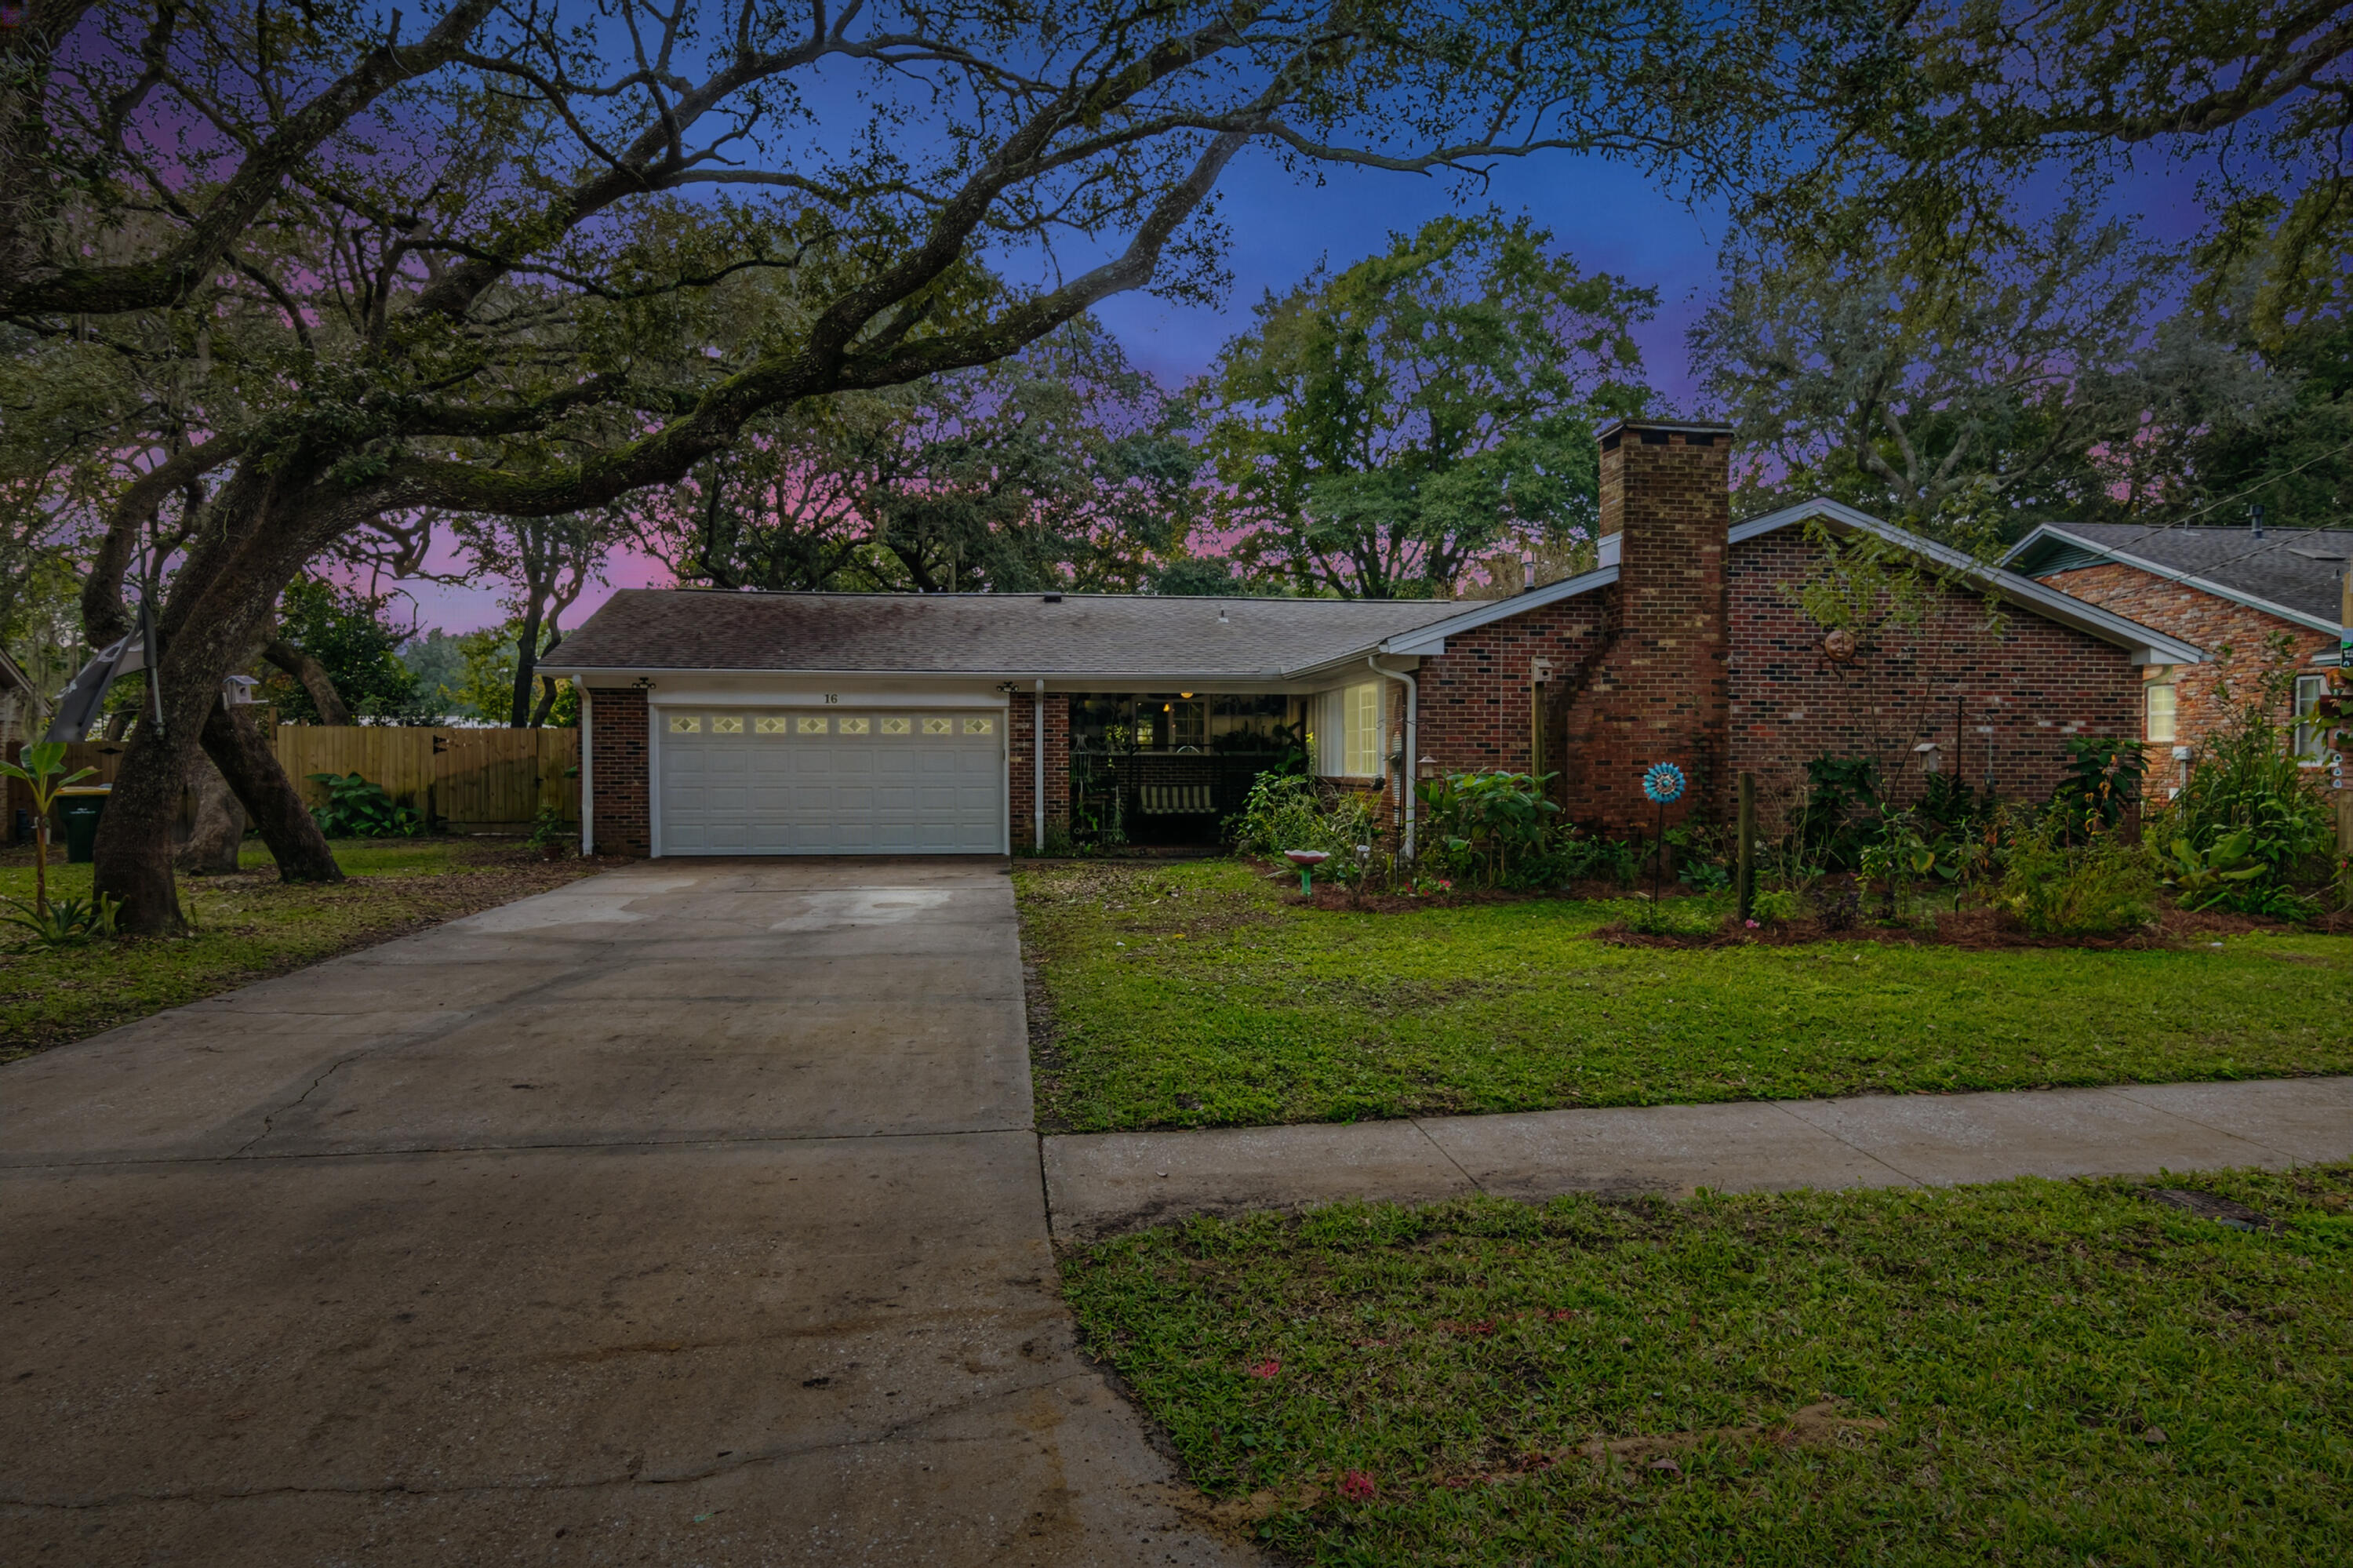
x=688, y=1214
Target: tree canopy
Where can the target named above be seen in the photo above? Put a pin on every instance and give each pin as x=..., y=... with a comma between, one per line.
x=1383, y=424
x=1061, y=466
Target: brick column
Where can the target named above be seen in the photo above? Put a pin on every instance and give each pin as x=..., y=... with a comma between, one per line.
x=1021, y=769
x=617, y=770
x=1661, y=691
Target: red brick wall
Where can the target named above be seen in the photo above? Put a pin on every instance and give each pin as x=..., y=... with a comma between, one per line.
x=2210, y=620
x=1021, y=773
x=1475, y=695
x=1658, y=690
x=2016, y=696
x=618, y=772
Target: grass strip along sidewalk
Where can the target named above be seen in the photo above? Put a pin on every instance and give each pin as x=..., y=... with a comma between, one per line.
x=249, y=927
x=2028, y=1372
x=1203, y=994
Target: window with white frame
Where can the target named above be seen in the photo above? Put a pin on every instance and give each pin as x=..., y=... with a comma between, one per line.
x=2157, y=700
x=2311, y=740
x=1344, y=732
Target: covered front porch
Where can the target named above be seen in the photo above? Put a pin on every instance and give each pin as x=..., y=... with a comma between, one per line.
x=1166, y=770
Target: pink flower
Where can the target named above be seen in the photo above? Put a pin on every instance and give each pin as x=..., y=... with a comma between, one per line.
x=1266, y=1368
x=1357, y=1486
x=1752, y=925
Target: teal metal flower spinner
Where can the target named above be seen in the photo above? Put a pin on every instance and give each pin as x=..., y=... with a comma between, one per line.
x=1662, y=782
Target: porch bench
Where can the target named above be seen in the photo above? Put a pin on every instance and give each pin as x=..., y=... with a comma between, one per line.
x=1174, y=800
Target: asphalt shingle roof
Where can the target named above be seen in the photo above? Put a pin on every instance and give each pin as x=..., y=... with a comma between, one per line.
x=2268, y=568
x=982, y=634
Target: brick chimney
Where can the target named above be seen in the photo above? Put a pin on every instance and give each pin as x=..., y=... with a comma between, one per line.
x=1660, y=691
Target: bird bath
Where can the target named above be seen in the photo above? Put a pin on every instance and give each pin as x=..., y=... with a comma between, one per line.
x=1306, y=860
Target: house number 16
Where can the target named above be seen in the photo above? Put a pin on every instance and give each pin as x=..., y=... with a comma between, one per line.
x=833, y=696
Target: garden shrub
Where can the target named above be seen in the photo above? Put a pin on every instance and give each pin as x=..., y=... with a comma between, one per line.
x=1842, y=803
x=2245, y=780
x=1495, y=829
x=1838, y=902
x=2060, y=884
x=1774, y=907
x=1287, y=811
x=357, y=809
x=2102, y=783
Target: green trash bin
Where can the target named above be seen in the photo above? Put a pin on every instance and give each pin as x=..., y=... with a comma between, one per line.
x=81, y=809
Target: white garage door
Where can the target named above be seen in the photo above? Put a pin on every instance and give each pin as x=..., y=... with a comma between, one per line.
x=840, y=781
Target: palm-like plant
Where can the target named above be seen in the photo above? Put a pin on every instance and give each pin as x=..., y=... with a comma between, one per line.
x=42, y=767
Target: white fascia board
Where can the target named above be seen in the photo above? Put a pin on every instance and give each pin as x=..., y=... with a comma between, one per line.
x=1430, y=640
x=2148, y=645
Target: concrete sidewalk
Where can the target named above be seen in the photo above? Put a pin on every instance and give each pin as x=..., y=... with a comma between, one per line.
x=1100, y=1184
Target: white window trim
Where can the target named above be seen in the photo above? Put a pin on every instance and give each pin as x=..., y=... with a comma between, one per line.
x=2317, y=756
x=2149, y=730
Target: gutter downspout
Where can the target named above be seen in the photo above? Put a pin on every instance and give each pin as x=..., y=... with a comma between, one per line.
x=588, y=769
x=1037, y=755
x=1413, y=742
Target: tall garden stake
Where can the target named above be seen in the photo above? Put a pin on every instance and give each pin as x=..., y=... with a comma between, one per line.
x=1662, y=782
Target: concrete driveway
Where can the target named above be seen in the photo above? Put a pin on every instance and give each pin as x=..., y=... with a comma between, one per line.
x=688, y=1214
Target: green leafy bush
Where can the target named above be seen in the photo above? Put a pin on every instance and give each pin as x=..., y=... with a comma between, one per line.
x=1495, y=829
x=1288, y=811
x=2244, y=781
x=1774, y=907
x=2102, y=783
x=2060, y=884
x=551, y=829
x=2202, y=878
x=357, y=809
x=1842, y=803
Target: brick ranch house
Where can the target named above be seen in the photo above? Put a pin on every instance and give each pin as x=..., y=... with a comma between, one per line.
x=721, y=722
x=2230, y=588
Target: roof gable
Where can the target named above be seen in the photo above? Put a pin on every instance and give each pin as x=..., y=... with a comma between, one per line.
x=2285, y=573
x=2148, y=646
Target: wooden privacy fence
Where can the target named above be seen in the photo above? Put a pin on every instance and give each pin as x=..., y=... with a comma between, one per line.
x=462, y=778
x=481, y=780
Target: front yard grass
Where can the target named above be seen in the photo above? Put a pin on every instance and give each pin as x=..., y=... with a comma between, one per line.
x=2028, y=1372
x=1200, y=994
x=247, y=927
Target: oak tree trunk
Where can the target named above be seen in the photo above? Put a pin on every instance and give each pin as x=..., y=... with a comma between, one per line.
x=236, y=746
x=212, y=847
x=132, y=862
x=314, y=678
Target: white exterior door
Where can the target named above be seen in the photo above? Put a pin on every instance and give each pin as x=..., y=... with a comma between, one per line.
x=833, y=781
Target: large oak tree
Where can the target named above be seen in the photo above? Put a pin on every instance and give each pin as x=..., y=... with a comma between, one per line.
x=444, y=237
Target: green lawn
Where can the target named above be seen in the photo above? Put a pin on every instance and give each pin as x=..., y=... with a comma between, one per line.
x=1201, y=994
x=2032, y=1373
x=247, y=927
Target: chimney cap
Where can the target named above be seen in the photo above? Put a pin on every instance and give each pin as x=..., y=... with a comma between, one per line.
x=1689, y=427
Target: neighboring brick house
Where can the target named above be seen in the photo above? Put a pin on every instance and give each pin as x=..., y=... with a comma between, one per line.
x=2225, y=589
x=724, y=722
